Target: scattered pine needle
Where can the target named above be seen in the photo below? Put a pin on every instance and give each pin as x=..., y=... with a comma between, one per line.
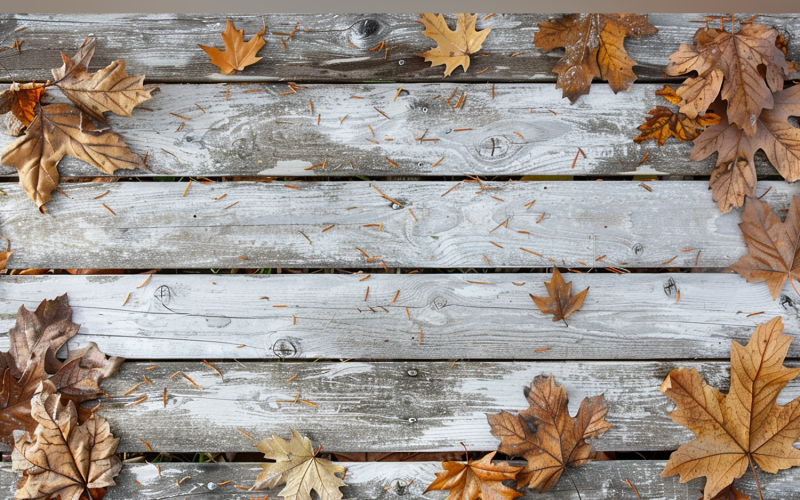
x=309, y=403
x=140, y=401
x=679, y=297
x=408, y=315
x=131, y=389
x=327, y=228
x=165, y=397
x=365, y=277
x=192, y=381
x=175, y=374
x=382, y=113
x=246, y=434
x=488, y=16
x=398, y=93
x=697, y=258
x=438, y=161
x=145, y=281
x=642, y=161
x=214, y=368
x=396, y=294
x=108, y=208
x=229, y=206
x=306, y=237
x=187, y=188
x=634, y=488
x=540, y=217
x=100, y=196
x=754, y=314
x=479, y=282
x=452, y=188
x=668, y=261
x=146, y=444
x=642, y=184
x=531, y=251
x=126, y=299
x=412, y=215
x=390, y=199
x=293, y=377
x=543, y=349
x=420, y=337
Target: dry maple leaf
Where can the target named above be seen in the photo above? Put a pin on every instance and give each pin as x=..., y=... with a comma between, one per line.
x=665, y=123
x=298, y=468
x=735, y=175
x=19, y=100
x=560, y=303
x=58, y=130
x=238, y=54
x=773, y=247
x=476, y=479
x=454, y=47
x=62, y=459
x=731, y=62
x=594, y=48
x=558, y=440
x=110, y=89
x=5, y=254
x=744, y=427
x=729, y=493
x=34, y=341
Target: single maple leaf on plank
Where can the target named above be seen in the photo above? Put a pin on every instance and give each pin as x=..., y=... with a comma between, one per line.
x=298, y=468
x=730, y=62
x=594, y=48
x=665, y=123
x=238, y=54
x=62, y=459
x=19, y=100
x=34, y=341
x=560, y=303
x=773, y=247
x=743, y=428
x=476, y=479
x=58, y=130
x=110, y=89
x=454, y=47
x=546, y=436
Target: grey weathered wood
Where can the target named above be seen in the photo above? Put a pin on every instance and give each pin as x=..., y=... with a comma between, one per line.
x=632, y=316
x=265, y=133
x=384, y=406
x=155, y=227
x=368, y=481
x=164, y=46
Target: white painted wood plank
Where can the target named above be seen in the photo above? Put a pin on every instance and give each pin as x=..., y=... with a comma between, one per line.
x=384, y=406
x=632, y=316
x=570, y=223
x=164, y=46
x=512, y=133
x=368, y=481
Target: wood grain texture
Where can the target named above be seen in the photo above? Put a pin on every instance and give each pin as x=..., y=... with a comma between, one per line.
x=383, y=406
x=571, y=224
x=164, y=46
x=195, y=317
x=390, y=480
x=526, y=129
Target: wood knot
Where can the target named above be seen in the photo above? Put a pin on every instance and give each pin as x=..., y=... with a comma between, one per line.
x=366, y=31
x=495, y=147
x=284, y=348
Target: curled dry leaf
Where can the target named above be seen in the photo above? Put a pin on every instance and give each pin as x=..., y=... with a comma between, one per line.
x=476, y=479
x=60, y=458
x=664, y=123
x=594, y=48
x=34, y=341
x=773, y=247
x=560, y=303
x=546, y=436
x=19, y=100
x=743, y=428
x=298, y=468
x=454, y=47
x=731, y=62
x=5, y=254
x=238, y=54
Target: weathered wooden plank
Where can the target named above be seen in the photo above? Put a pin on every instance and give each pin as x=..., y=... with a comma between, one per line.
x=518, y=129
x=632, y=316
x=572, y=224
x=164, y=46
x=383, y=406
x=388, y=480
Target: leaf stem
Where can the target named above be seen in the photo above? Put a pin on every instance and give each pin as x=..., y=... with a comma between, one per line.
x=795, y=289
x=576, y=486
x=755, y=475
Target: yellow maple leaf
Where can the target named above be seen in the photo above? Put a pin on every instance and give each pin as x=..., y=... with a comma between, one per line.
x=454, y=47
x=238, y=54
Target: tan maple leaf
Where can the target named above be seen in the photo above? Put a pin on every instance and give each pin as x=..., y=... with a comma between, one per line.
x=298, y=468
x=62, y=459
x=476, y=479
x=34, y=341
x=743, y=428
x=546, y=436
x=560, y=303
x=19, y=100
x=735, y=175
x=58, y=130
x=238, y=54
x=773, y=247
x=594, y=48
x=664, y=123
x=454, y=47
x=730, y=62
x=110, y=89
x=5, y=254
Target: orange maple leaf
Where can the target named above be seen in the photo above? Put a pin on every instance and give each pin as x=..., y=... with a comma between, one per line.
x=237, y=54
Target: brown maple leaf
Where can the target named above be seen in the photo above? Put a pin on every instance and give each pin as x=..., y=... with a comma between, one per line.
x=35, y=339
x=729, y=493
x=743, y=428
x=454, y=47
x=773, y=247
x=19, y=100
x=731, y=62
x=297, y=466
x=546, y=436
x=5, y=254
x=735, y=175
x=238, y=54
x=110, y=89
x=664, y=123
x=476, y=479
x=58, y=130
x=62, y=459
x=560, y=303
x=594, y=48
